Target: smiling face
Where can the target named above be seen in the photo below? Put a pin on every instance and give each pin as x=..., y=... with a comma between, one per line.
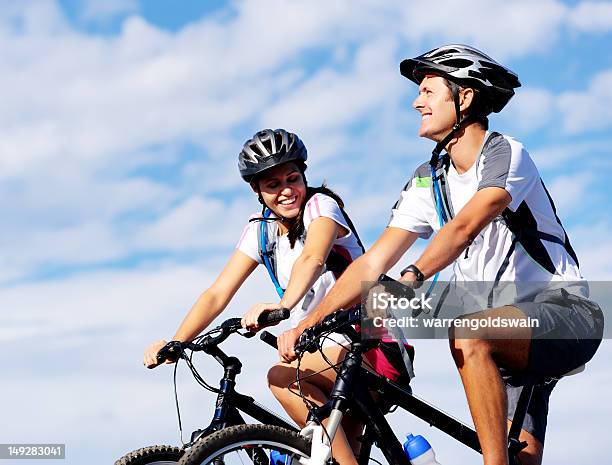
x=283, y=190
x=435, y=104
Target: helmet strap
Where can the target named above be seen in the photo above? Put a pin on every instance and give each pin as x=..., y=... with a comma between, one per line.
x=259, y=197
x=435, y=154
x=264, y=207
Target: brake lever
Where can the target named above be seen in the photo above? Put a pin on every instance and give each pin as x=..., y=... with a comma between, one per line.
x=171, y=351
x=231, y=324
x=306, y=343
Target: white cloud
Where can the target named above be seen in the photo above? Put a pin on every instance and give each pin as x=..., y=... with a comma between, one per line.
x=593, y=247
x=503, y=29
x=81, y=110
x=331, y=100
x=572, y=192
x=530, y=110
x=109, y=300
x=197, y=223
x=592, y=17
x=565, y=155
x=588, y=110
x=104, y=10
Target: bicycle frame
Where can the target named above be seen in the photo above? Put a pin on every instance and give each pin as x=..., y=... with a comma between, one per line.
x=353, y=390
x=230, y=403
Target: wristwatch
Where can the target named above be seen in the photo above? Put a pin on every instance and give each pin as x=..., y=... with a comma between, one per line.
x=413, y=269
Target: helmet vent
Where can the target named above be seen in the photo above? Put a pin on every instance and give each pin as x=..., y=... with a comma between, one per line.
x=458, y=63
x=443, y=52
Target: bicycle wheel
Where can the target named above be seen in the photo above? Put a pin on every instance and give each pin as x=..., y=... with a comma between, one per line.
x=246, y=444
x=152, y=455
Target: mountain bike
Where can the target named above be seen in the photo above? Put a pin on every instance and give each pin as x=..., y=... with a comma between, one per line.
x=229, y=403
x=367, y=395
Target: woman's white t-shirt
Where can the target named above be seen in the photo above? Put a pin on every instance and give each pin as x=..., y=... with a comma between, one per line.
x=319, y=205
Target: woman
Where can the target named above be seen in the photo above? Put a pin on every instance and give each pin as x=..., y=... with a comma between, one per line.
x=305, y=240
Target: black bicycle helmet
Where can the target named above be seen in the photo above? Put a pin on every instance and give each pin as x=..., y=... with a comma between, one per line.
x=468, y=67
x=268, y=149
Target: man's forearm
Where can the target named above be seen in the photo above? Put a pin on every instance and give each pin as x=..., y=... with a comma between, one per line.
x=444, y=249
x=345, y=293
x=459, y=233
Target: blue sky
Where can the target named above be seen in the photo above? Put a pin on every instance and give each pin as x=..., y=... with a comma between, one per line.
x=118, y=182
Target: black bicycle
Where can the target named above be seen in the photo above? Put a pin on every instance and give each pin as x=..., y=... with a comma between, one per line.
x=355, y=389
x=229, y=403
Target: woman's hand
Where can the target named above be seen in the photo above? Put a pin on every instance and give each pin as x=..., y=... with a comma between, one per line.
x=150, y=355
x=249, y=320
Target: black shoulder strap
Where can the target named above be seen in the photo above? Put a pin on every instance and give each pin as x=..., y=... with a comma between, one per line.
x=352, y=228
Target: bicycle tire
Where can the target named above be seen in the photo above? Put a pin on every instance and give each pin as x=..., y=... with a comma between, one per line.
x=220, y=447
x=152, y=455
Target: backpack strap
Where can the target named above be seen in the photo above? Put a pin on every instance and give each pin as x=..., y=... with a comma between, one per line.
x=338, y=262
x=352, y=228
x=266, y=252
x=335, y=262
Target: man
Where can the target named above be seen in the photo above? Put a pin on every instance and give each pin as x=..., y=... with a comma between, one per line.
x=494, y=221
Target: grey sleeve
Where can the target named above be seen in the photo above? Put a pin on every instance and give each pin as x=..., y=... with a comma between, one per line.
x=507, y=164
x=496, y=163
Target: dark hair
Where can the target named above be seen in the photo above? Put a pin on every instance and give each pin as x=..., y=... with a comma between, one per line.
x=296, y=229
x=479, y=107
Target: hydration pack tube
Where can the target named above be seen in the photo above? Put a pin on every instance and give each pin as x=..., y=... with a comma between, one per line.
x=268, y=253
x=441, y=195
x=335, y=261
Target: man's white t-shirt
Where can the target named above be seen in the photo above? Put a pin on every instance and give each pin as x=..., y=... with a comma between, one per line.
x=319, y=205
x=508, y=249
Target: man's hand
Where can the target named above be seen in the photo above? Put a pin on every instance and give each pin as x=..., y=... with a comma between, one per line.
x=286, y=344
x=374, y=311
x=249, y=320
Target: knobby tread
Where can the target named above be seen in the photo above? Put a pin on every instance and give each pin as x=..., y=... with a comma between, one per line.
x=204, y=448
x=151, y=454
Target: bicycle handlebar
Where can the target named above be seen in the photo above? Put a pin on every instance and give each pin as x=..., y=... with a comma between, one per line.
x=173, y=349
x=339, y=321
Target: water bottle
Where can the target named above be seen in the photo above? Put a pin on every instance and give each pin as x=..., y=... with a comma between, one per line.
x=276, y=458
x=419, y=451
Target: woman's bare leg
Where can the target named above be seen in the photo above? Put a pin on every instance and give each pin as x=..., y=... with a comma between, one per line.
x=316, y=388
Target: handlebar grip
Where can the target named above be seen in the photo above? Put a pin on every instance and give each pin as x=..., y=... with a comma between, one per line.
x=171, y=351
x=268, y=338
x=273, y=316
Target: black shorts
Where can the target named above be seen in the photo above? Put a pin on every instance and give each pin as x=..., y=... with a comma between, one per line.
x=570, y=331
